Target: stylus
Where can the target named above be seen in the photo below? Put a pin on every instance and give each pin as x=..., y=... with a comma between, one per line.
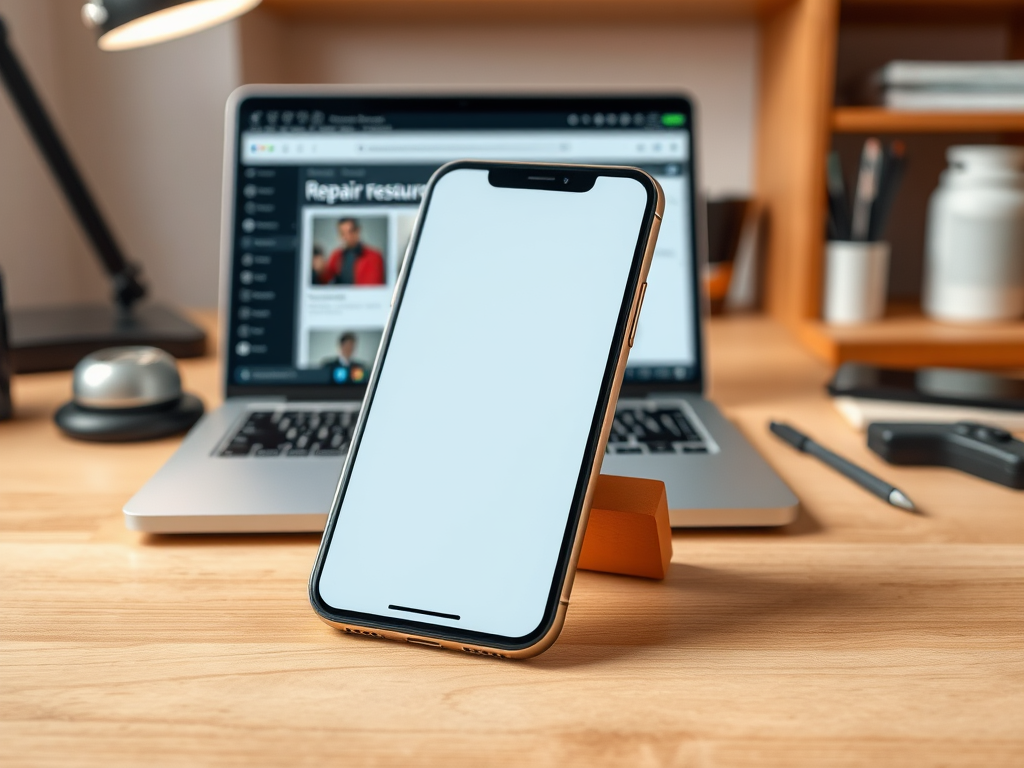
x=893, y=165
x=867, y=189
x=862, y=477
x=838, y=201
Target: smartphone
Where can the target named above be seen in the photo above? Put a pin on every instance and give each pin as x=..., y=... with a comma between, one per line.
x=941, y=386
x=460, y=512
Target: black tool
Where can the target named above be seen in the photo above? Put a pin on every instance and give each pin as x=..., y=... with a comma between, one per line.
x=988, y=452
x=862, y=477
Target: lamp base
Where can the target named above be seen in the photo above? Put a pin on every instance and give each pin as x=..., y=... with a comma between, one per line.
x=55, y=339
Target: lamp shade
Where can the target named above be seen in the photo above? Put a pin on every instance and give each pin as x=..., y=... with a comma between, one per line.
x=124, y=24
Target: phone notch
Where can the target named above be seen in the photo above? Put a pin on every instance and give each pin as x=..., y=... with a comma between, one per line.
x=541, y=178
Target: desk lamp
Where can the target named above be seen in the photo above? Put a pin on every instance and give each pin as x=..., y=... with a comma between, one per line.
x=55, y=339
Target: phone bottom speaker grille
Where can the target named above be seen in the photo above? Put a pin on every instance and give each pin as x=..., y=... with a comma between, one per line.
x=477, y=652
x=364, y=633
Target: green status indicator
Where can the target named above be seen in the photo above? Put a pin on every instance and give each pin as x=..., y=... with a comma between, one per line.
x=673, y=119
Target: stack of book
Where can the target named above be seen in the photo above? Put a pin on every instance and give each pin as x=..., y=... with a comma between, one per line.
x=981, y=86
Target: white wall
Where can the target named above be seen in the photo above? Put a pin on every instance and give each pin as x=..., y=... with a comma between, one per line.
x=717, y=63
x=147, y=126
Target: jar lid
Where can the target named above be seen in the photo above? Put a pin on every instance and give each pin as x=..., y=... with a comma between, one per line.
x=986, y=157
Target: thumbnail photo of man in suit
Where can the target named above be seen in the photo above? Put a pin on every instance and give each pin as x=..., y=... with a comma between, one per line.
x=345, y=367
x=353, y=262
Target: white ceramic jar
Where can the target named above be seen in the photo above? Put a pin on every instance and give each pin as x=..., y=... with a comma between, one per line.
x=974, y=250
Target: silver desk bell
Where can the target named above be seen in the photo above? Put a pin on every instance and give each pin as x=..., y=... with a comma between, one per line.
x=125, y=394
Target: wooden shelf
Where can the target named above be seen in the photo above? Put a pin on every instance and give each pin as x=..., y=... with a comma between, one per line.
x=930, y=12
x=521, y=11
x=911, y=340
x=614, y=10
x=879, y=120
x=929, y=6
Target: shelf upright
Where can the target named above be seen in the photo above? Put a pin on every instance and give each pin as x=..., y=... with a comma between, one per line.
x=799, y=46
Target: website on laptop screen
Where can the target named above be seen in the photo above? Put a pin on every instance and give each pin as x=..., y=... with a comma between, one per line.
x=327, y=193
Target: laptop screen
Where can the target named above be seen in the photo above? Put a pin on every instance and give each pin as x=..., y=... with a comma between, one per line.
x=326, y=194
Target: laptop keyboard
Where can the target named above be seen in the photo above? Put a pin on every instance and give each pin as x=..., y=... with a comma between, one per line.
x=292, y=433
x=654, y=430
x=328, y=433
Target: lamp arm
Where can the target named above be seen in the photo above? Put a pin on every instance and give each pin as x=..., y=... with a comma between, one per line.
x=124, y=274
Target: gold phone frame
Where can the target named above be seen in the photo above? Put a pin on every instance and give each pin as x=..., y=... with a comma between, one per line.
x=625, y=331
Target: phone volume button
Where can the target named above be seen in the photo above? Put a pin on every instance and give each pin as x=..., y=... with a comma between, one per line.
x=636, y=315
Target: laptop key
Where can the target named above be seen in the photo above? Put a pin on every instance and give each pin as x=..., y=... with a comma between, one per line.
x=652, y=425
x=668, y=423
x=659, y=429
x=290, y=433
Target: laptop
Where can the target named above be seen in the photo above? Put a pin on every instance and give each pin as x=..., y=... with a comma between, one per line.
x=321, y=191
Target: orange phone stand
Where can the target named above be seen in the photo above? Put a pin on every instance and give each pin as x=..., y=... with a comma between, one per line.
x=628, y=531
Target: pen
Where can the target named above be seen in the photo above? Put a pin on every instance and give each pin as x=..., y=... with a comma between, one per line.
x=892, y=174
x=838, y=203
x=867, y=189
x=862, y=477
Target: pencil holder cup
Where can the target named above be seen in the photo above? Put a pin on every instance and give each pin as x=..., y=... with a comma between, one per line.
x=856, y=282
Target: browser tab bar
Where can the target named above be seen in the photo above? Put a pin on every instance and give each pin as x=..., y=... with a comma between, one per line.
x=605, y=147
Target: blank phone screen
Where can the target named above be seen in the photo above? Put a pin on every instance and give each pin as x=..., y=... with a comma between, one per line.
x=461, y=486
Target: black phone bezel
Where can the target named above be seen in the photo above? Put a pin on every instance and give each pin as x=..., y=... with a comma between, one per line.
x=450, y=634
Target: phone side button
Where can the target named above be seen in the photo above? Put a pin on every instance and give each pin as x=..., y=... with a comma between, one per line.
x=636, y=317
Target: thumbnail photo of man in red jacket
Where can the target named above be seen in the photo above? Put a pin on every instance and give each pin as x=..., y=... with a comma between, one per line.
x=354, y=262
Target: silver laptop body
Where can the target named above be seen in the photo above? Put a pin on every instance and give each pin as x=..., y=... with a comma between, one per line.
x=725, y=484
x=301, y=165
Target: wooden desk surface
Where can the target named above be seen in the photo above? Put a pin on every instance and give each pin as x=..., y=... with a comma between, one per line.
x=859, y=635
